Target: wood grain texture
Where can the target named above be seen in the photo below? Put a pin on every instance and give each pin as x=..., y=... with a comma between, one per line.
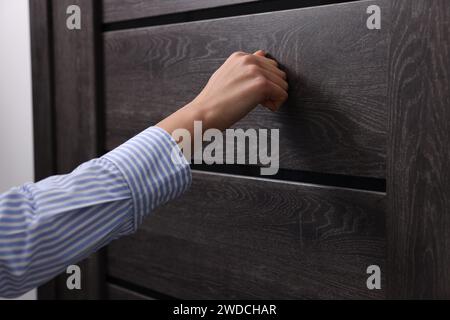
x=76, y=89
x=115, y=292
x=418, y=222
x=119, y=10
x=43, y=121
x=41, y=55
x=75, y=86
x=335, y=120
x=232, y=237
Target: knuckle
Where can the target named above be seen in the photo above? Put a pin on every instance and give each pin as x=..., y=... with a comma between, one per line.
x=253, y=70
x=261, y=83
x=247, y=59
x=236, y=54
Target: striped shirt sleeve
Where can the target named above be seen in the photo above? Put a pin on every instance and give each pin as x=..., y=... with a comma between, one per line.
x=48, y=225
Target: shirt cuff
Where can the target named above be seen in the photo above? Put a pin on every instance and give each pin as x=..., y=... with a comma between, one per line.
x=154, y=168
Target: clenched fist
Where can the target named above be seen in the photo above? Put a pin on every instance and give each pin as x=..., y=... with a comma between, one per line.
x=239, y=85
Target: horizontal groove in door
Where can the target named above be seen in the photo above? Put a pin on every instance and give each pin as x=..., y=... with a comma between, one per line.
x=119, y=10
x=115, y=292
x=231, y=237
x=119, y=289
x=317, y=178
x=335, y=120
x=119, y=14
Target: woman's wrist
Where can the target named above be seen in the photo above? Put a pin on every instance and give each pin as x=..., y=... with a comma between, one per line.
x=206, y=112
x=185, y=117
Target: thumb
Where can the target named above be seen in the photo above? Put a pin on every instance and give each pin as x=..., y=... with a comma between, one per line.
x=260, y=53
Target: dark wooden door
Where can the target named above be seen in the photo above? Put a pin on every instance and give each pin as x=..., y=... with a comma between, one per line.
x=364, y=173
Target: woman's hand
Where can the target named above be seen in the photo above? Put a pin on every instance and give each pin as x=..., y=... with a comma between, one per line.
x=239, y=85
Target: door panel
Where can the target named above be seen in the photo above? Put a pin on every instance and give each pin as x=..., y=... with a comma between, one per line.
x=119, y=10
x=235, y=237
x=335, y=120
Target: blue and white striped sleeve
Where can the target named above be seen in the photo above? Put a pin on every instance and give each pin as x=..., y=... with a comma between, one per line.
x=48, y=225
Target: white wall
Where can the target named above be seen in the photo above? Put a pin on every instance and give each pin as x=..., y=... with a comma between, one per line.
x=16, y=132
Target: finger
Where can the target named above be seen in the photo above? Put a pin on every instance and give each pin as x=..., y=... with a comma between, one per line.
x=275, y=78
x=267, y=62
x=272, y=105
x=263, y=62
x=260, y=53
x=276, y=96
x=269, y=104
x=263, y=58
